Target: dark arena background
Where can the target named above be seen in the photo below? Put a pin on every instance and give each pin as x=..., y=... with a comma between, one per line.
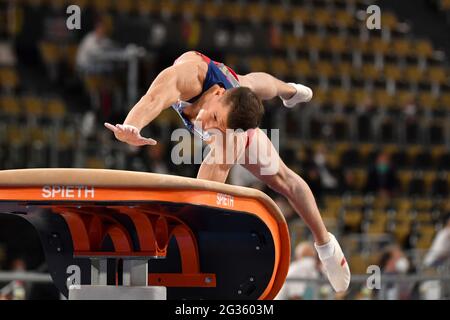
x=373, y=144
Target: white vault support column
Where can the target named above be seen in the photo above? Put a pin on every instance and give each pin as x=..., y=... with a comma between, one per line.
x=134, y=277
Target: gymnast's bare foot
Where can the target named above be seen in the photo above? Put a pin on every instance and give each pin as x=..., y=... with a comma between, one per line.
x=335, y=264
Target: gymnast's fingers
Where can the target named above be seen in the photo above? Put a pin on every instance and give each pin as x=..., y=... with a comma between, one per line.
x=147, y=141
x=111, y=127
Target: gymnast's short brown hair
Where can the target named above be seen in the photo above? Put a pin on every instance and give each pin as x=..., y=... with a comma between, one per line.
x=246, y=109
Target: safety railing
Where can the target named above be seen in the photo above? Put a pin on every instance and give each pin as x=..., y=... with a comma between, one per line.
x=364, y=287
x=361, y=286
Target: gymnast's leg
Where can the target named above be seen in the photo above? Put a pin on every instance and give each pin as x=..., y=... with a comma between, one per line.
x=267, y=87
x=261, y=155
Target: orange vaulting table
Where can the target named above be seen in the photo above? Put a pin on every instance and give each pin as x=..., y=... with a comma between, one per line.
x=199, y=239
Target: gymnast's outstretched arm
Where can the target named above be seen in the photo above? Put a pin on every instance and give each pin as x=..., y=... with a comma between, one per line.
x=180, y=81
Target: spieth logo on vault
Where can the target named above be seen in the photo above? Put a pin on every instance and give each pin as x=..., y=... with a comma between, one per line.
x=68, y=192
x=225, y=200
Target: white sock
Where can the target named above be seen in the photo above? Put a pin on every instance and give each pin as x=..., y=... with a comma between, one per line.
x=326, y=250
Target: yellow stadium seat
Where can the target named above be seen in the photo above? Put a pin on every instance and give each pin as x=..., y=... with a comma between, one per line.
x=402, y=47
x=255, y=11
x=403, y=205
x=360, y=96
x=405, y=177
x=370, y=72
x=375, y=228
x=360, y=178
x=37, y=134
x=231, y=60
x=437, y=152
x=145, y=7
x=337, y=44
x=303, y=68
x=9, y=78
x=423, y=218
x=93, y=83
x=345, y=69
x=365, y=149
x=314, y=42
x=383, y=99
x=322, y=17
x=124, y=6
x=344, y=19
x=95, y=163
x=340, y=96
x=360, y=45
x=333, y=203
x=426, y=235
x=56, y=109
x=210, y=9
x=102, y=5
x=413, y=151
x=333, y=160
x=81, y=3
x=391, y=148
x=34, y=106
x=423, y=243
x=437, y=75
x=380, y=216
x=380, y=203
x=279, y=67
x=413, y=74
x=301, y=14
x=258, y=63
x=401, y=232
x=16, y=135
x=70, y=55
x=277, y=13
x=429, y=178
x=354, y=201
x=65, y=140
x=290, y=40
x=379, y=46
x=403, y=97
x=329, y=214
x=234, y=11
x=423, y=48
x=352, y=219
x=325, y=69
x=424, y=204
x=341, y=147
x=444, y=5
x=444, y=100
x=10, y=106
x=427, y=100
x=50, y=52
x=358, y=264
x=389, y=20
x=393, y=72
x=320, y=95
x=403, y=217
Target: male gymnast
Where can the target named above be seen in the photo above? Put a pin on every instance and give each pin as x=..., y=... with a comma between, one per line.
x=219, y=99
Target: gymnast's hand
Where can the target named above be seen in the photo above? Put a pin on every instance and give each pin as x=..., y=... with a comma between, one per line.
x=129, y=134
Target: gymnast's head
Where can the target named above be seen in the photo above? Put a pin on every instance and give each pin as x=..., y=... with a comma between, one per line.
x=236, y=108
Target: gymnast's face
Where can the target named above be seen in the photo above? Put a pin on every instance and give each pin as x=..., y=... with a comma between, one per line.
x=214, y=110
